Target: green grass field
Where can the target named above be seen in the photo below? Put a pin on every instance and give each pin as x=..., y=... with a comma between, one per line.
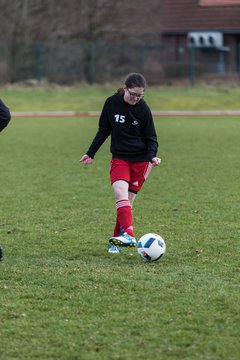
x=64, y=297
x=91, y=98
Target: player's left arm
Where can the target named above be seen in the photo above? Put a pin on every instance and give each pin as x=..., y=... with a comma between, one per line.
x=151, y=137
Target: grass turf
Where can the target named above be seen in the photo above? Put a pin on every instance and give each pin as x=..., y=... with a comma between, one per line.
x=91, y=98
x=64, y=297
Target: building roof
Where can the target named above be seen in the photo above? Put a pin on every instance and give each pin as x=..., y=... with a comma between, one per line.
x=219, y=2
x=194, y=15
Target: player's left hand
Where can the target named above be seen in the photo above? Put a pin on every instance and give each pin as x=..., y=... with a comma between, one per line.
x=156, y=161
x=85, y=159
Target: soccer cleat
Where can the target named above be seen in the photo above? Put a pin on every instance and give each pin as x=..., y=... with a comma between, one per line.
x=123, y=240
x=113, y=249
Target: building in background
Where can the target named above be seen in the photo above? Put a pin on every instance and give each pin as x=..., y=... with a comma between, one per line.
x=210, y=27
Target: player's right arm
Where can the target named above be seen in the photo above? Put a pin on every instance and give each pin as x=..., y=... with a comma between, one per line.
x=102, y=134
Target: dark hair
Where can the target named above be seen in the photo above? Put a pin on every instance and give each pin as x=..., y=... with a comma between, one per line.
x=133, y=80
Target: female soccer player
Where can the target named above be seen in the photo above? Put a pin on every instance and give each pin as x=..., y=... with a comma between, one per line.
x=128, y=119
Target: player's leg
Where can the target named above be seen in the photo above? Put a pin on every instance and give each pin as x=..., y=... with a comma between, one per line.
x=133, y=175
x=119, y=170
x=120, y=175
x=118, y=230
x=124, y=212
x=120, y=191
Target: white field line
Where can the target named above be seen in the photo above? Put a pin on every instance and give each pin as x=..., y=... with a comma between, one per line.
x=97, y=113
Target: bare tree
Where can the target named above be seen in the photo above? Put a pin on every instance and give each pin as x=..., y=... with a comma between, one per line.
x=25, y=23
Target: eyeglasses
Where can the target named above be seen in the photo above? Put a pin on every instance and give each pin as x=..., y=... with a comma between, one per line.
x=133, y=94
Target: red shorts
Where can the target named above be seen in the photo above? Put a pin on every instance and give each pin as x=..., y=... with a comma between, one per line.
x=135, y=173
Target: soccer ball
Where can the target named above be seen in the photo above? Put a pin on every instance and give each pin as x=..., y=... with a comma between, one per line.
x=151, y=247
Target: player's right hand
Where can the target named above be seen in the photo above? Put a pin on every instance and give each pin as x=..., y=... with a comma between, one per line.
x=87, y=160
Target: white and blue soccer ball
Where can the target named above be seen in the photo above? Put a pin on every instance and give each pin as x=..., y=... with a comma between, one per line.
x=151, y=247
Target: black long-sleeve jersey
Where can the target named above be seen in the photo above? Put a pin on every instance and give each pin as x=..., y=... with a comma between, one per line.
x=4, y=115
x=133, y=134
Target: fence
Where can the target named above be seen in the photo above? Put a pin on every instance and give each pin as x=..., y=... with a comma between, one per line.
x=69, y=63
